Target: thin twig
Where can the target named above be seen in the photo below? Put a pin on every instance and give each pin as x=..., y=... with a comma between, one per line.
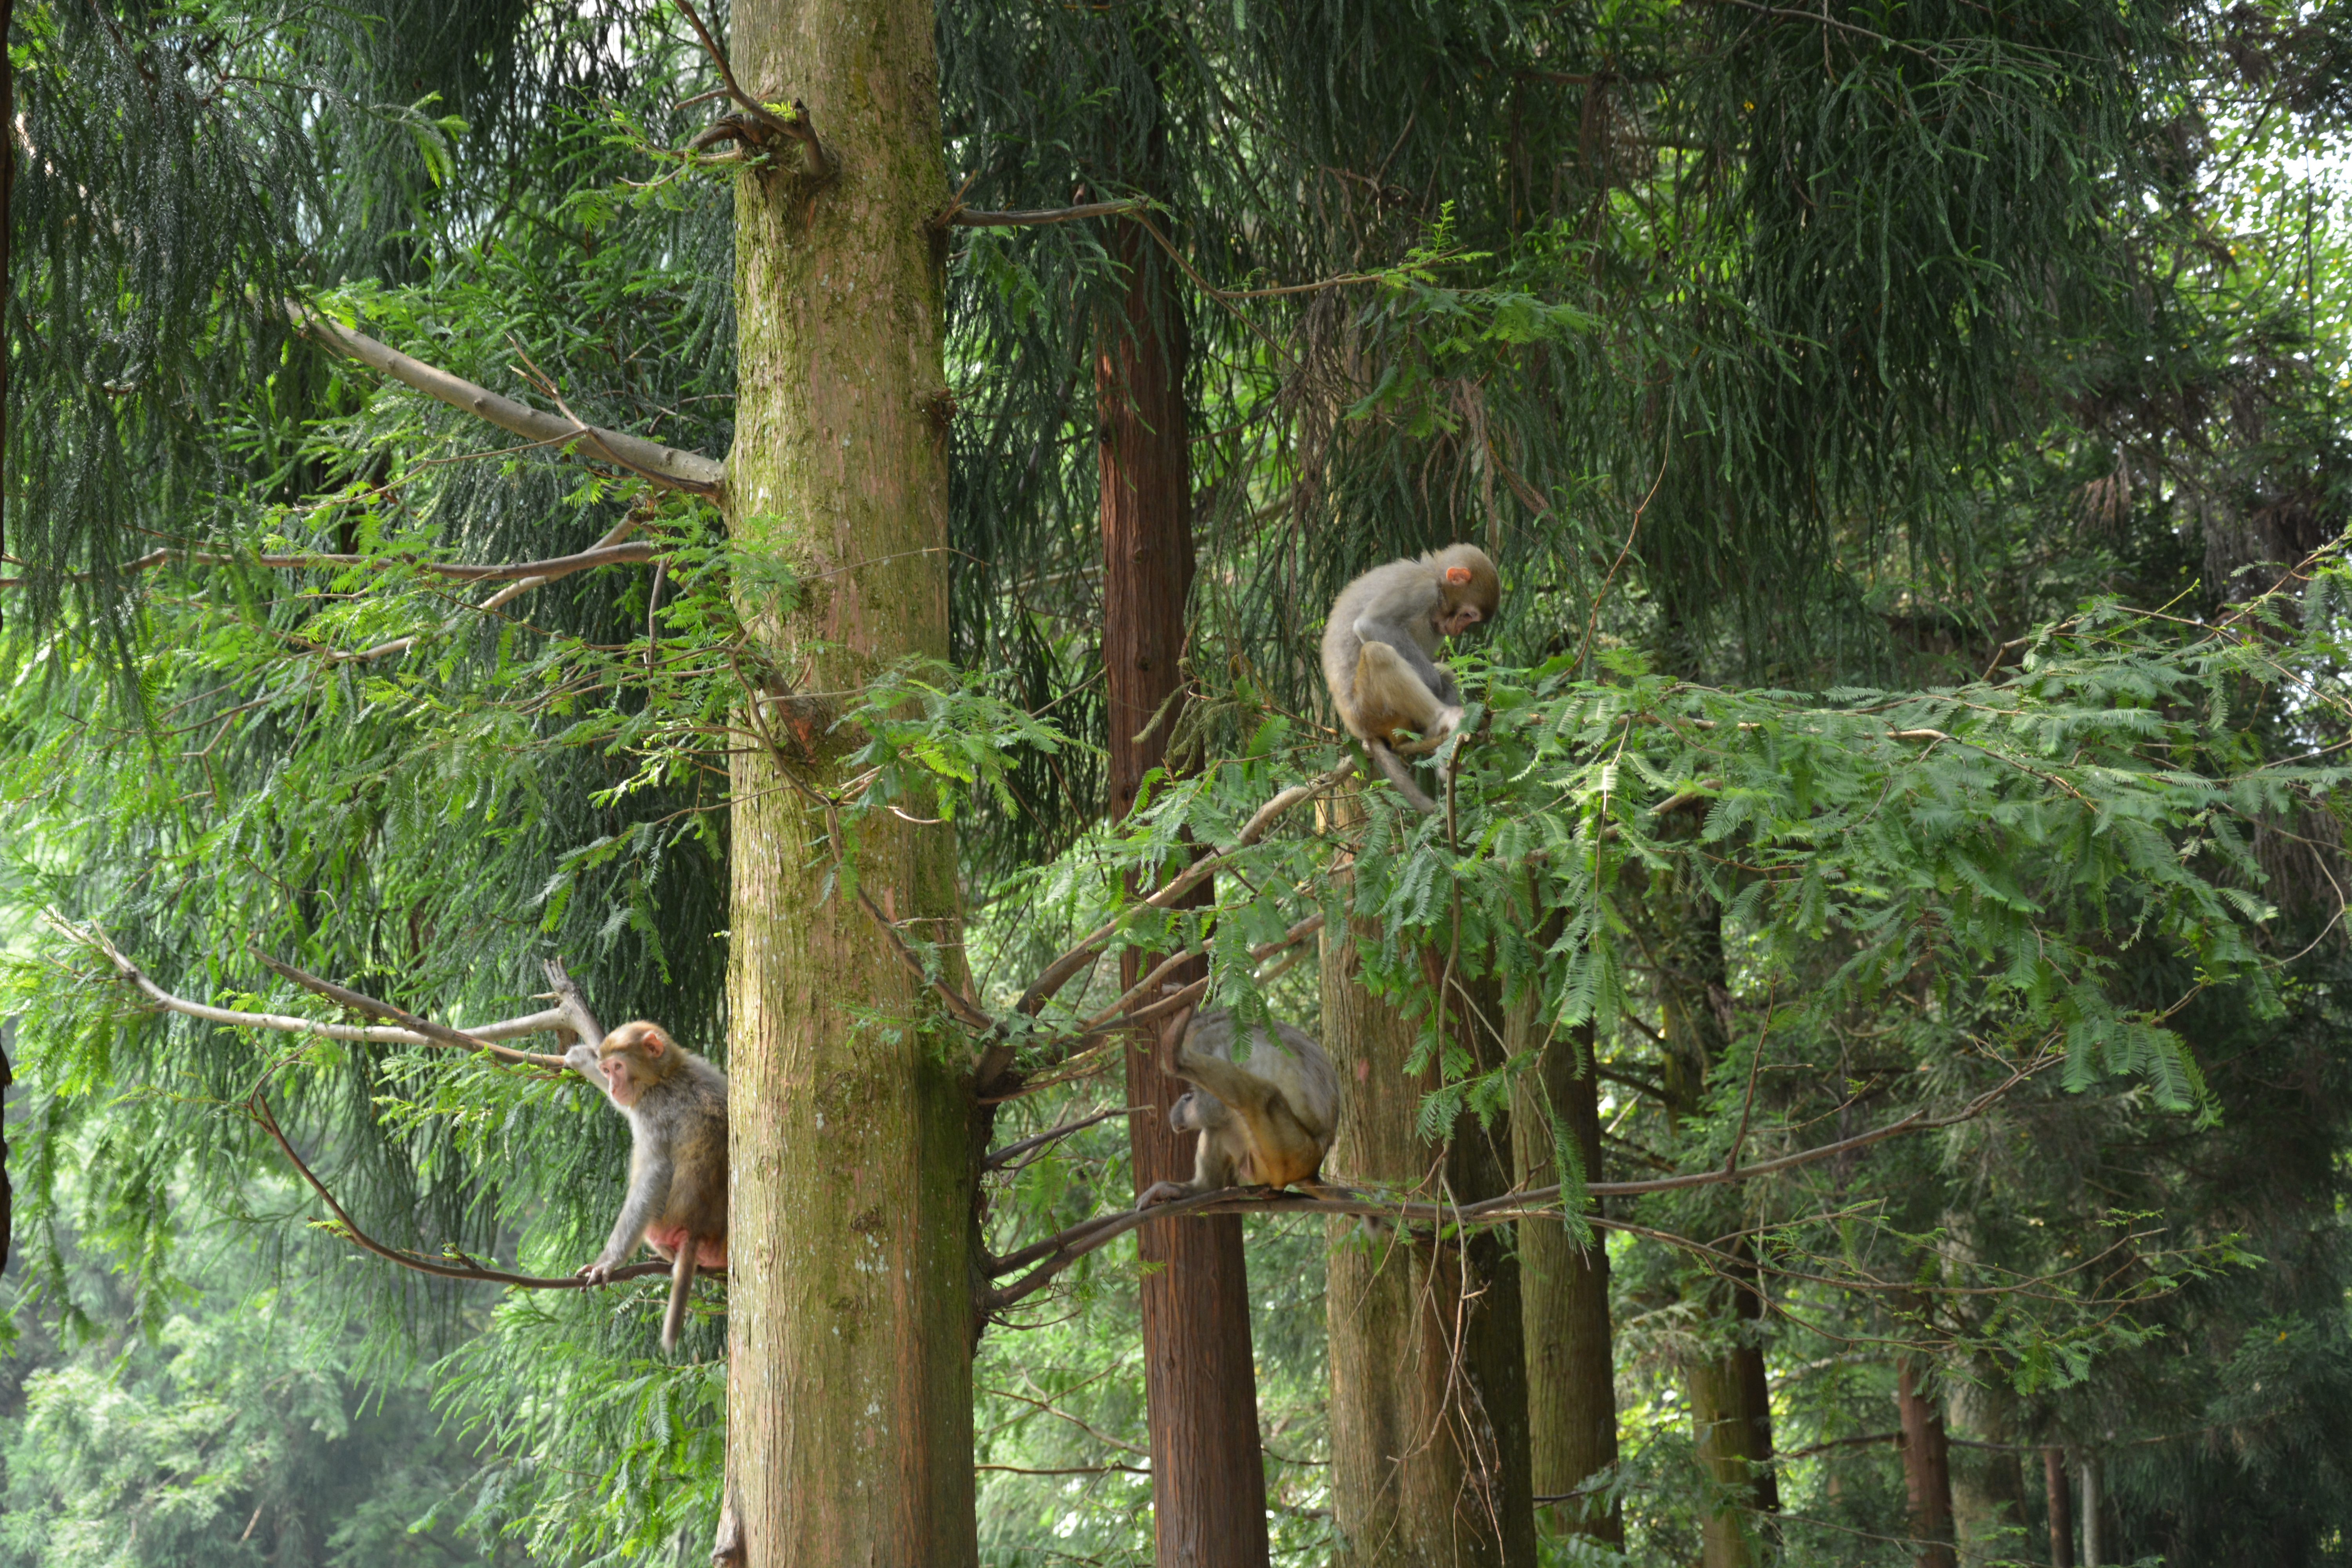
x=1755, y=1062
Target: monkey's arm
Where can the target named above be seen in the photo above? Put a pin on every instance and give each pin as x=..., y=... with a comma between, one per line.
x=1400, y=621
x=648, y=1186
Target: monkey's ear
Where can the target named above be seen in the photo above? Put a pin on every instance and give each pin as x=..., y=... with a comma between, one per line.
x=656, y=1042
x=1457, y=575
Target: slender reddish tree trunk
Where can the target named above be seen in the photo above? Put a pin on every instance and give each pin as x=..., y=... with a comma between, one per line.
x=1926, y=1466
x=1208, y=1480
x=2058, y=1487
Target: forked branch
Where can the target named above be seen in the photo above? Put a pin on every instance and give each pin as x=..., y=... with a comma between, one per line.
x=480, y=1038
x=436, y=1033
x=768, y=121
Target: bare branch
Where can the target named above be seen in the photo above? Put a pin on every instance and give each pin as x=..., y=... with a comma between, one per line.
x=966, y=1010
x=475, y=1039
x=1175, y=961
x=1064, y=968
x=619, y=531
x=570, y=1004
x=1000, y=1158
x=1057, y=1252
x=349, y=1231
x=961, y=216
x=438, y=1034
x=668, y=467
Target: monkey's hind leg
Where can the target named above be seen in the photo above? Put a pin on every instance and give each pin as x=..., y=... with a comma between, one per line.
x=682, y=1285
x=1391, y=695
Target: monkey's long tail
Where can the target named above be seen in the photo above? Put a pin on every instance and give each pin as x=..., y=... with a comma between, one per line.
x=682, y=1285
x=1400, y=776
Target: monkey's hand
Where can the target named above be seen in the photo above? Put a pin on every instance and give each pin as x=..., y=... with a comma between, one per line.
x=597, y=1273
x=1448, y=720
x=1162, y=1193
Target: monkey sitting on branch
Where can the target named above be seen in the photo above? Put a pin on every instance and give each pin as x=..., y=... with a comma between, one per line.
x=1263, y=1122
x=1379, y=651
x=676, y=1202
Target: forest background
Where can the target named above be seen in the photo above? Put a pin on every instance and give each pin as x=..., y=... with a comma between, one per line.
x=1902, y=777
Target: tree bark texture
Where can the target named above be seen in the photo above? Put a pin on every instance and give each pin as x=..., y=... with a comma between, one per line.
x=1208, y=1478
x=7, y=235
x=1988, y=1483
x=849, y=1393
x=1571, y=1362
x=1729, y=1394
x=1429, y=1434
x=2059, y=1495
x=1926, y=1466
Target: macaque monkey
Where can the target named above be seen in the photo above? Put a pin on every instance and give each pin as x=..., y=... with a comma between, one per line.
x=1379, y=650
x=1263, y=1122
x=676, y=1202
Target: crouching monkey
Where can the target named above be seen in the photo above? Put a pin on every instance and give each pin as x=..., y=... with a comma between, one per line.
x=676, y=1202
x=1263, y=1122
x=1379, y=650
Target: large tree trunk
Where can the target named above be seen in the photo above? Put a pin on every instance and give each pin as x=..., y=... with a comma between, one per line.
x=1208, y=1480
x=1926, y=1466
x=1571, y=1366
x=849, y=1395
x=1729, y=1395
x=1429, y=1437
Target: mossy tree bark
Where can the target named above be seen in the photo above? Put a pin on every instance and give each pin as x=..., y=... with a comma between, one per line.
x=1571, y=1362
x=850, y=1326
x=1429, y=1412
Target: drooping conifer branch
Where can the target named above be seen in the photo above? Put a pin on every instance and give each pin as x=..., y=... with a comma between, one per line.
x=529, y=574
x=668, y=466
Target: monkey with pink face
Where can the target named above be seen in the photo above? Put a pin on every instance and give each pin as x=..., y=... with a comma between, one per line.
x=676, y=1103
x=1380, y=654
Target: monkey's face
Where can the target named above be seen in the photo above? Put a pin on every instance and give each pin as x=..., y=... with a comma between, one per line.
x=1460, y=619
x=630, y=1058
x=621, y=1080
x=1184, y=1116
